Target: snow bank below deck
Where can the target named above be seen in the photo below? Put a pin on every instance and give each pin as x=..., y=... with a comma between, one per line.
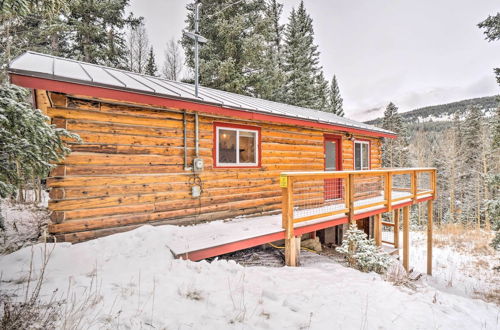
x=140, y=285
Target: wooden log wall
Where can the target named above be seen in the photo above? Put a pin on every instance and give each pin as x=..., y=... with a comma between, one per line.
x=129, y=169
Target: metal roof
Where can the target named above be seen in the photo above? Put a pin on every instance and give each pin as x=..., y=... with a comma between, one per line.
x=62, y=69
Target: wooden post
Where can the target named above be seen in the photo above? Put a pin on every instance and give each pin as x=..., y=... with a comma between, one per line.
x=414, y=186
x=350, y=194
x=429, y=237
x=388, y=190
x=396, y=228
x=406, y=237
x=287, y=221
x=378, y=229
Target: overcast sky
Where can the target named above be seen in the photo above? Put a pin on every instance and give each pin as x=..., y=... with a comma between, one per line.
x=413, y=52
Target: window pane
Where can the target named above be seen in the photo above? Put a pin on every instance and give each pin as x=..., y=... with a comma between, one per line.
x=357, y=156
x=227, y=146
x=330, y=156
x=247, y=147
x=366, y=157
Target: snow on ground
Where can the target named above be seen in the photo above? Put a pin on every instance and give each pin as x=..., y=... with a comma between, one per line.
x=23, y=222
x=463, y=263
x=130, y=280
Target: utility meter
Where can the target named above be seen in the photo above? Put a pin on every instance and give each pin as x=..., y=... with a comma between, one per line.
x=198, y=164
x=195, y=191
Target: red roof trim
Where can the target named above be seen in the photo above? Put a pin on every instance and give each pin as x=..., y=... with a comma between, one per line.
x=95, y=91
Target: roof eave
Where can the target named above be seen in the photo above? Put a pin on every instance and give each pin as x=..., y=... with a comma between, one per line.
x=13, y=73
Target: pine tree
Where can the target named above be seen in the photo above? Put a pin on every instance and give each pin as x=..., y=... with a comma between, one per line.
x=491, y=26
x=231, y=60
x=471, y=173
x=394, y=151
x=336, y=101
x=496, y=129
x=29, y=146
x=269, y=83
x=96, y=31
x=30, y=25
x=322, y=93
x=301, y=61
x=362, y=253
x=151, y=68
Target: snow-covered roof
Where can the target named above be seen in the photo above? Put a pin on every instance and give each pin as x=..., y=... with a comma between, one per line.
x=66, y=70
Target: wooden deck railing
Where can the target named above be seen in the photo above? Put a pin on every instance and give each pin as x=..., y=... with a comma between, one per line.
x=319, y=196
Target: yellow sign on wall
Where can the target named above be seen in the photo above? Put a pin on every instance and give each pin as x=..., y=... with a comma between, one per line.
x=283, y=181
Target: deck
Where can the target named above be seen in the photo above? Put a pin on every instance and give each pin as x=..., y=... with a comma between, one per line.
x=212, y=239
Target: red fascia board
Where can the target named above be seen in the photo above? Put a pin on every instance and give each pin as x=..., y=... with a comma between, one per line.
x=232, y=247
x=102, y=92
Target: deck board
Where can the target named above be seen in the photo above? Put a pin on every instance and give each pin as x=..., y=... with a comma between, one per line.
x=214, y=238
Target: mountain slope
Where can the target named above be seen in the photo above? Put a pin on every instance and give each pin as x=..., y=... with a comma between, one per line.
x=443, y=112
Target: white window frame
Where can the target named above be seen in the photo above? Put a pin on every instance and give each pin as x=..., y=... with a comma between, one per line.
x=367, y=167
x=237, y=130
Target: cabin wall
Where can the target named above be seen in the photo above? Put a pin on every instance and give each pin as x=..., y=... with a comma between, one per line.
x=129, y=169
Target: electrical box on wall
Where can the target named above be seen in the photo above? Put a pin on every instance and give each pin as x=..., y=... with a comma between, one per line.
x=195, y=191
x=198, y=164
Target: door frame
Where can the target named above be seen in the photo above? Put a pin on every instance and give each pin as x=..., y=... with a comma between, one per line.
x=338, y=141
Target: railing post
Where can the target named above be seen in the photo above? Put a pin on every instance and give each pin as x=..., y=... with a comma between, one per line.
x=414, y=186
x=434, y=183
x=286, y=184
x=378, y=229
x=396, y=228
x=429, y=237
x=406, y=237
x=350, y=197
x=388, y=190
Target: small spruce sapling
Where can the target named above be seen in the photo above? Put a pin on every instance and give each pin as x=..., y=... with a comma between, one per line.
x=362, y=253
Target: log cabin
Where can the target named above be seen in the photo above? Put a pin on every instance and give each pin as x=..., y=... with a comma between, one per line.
x=151, y=152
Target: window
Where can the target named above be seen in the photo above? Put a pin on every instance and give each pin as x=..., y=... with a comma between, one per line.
x=361, y=155
x=236, y=145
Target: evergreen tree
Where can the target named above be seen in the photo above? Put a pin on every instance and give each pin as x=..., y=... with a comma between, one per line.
x=471, y=138
x=269, y=83
x=96, y=31
x=394, y=151
x=151, y=68
x=472, y=146
x=301, y=61
x=322, y=93
x=30, y=25
x=496, y=129
x=362, y=253
x=231, y=60
x=491, y=26
x=336, y=101
x=29, y=146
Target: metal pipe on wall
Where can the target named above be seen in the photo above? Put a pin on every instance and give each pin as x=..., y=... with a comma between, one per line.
x=184, y=120
x=196, y=134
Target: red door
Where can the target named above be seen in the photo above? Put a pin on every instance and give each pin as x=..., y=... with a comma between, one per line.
x=333, y=187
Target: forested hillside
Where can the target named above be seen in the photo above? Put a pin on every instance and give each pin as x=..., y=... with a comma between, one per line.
x=464, y=149
x=444, y=112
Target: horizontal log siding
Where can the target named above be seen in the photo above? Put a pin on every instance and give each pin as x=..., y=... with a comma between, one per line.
x=129, y=169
